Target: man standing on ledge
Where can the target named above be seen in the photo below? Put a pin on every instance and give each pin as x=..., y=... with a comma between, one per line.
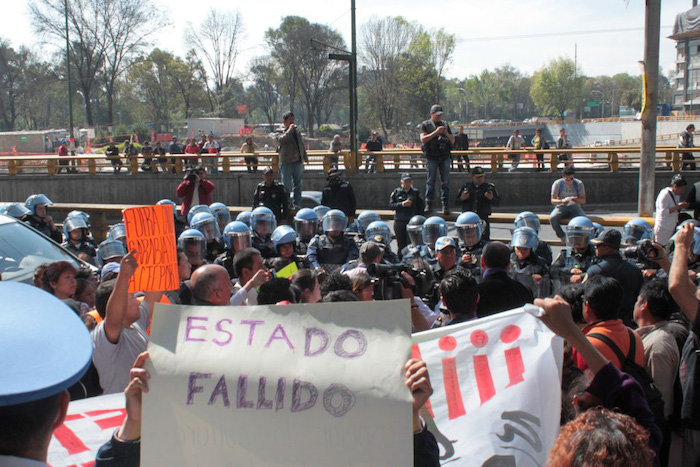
x=437, y=140
x=292, y=155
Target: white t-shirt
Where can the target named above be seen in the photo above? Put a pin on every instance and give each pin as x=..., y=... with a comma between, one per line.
x=114, y=361
x=568, y=190
x=664, y=218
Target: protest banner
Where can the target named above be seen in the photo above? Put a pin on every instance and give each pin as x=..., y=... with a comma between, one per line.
x=151, y=231
x=312, y=385
x=89, y=424
x=497, y=389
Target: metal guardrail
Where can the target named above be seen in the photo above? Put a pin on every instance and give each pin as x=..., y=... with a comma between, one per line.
x=497, y=158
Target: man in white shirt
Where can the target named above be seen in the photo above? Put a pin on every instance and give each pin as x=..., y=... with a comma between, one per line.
x=568, y=194
x=668, y=205
x=515, y=142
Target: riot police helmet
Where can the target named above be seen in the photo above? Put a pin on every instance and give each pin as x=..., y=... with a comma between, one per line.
x=469, y=228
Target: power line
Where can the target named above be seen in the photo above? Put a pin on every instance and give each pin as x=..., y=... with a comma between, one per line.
x=552, y=34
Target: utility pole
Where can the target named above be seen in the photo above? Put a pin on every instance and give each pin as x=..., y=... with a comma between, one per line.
x=647, y=166
x=353, y=90
x=71, y=143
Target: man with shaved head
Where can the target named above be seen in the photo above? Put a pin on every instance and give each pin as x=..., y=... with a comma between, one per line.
x=211, y=286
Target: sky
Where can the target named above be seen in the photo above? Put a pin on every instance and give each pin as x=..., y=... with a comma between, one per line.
x=489, y=33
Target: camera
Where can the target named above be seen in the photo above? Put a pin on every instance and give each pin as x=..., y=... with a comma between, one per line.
x=642, y=251
x=388, y=281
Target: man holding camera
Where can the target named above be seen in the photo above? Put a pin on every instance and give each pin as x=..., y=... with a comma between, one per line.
x=194, y=190
x=437, y=140
x=479, y=197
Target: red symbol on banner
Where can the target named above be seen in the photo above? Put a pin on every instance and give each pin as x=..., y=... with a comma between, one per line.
x=514, y=359
x=455, y=405
x=482, y=370
x=70, y=441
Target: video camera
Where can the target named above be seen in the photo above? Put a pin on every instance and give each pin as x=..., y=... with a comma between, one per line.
x=642, y=251
x=388, y=281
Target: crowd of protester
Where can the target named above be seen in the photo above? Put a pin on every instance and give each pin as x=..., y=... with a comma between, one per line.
x=628, y=315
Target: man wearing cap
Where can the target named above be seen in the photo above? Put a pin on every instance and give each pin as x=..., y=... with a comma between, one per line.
x=374, y=143
x=446, y=260
x=437, y=139
x=479, y=197
x=272, y=194
x=406, y=202
x=668, y=205
x=338, y=194
x=292, y=155
x=611, y=264
x=44, y=349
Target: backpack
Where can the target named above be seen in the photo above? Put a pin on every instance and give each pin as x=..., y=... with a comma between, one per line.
x=629, y=366
x=690, y=382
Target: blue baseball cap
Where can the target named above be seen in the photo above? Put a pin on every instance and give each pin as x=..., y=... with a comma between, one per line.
x=44, y=347
x=444, y=242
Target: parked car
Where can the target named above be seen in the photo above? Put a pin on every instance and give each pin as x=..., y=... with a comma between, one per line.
x=22, y=249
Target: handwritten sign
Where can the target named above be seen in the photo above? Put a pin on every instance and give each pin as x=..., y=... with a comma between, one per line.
x=313, y=385
x=287, y=271
x=151, y=231
x=496, y=388
x=89, y=424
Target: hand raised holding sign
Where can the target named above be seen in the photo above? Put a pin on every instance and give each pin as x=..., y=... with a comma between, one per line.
x=129, y=264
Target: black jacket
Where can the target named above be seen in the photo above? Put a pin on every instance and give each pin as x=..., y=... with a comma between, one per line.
x=630, y=277
x=477, y=201
x=404, y=214
x=273, y=197
x=498, y=292
x=340, y=196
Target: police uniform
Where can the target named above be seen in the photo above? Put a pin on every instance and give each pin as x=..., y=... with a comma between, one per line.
x=44, y=228
x=273, y=197
x=522, y=271
x=479, y=203
x=474, y=266
x=404, y=214
x=544, y=251
x=414, y=252
x=263, y=245
x=339, y=195
x=86, y=247
x=323, y=251
x=214, y=249
x=225, y=259
x=560, y=271
x=301, y=246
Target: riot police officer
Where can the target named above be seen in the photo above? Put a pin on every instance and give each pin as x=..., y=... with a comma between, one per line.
x=321, y=211
x=525, y=266
x=244, y=216
x=416, y=249
x=434, y=227
x=179, y=225
x=110, y=251
x=16, y=210
x=118, y=232
x=193, y=243
x=75, y=230
x=445, y=261
x=332, y=249
x=262, y=224
x=635, y=231
x=363, y=221
x=532, y=220
x=479, y=197
x=194, y=210
x=206, y=223
x=236, y=237
x=272, y=194
x=39, y=218
x=406, y=202
x=338, y=194
x=571, y=264
x=306, y=226
x=284, y=241
x=379, y=232
x=470, y=229
x=221, y=213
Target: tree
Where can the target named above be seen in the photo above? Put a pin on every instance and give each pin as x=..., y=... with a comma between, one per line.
x=190, y=79
x=217, y=39
x=556, y=87
x=265, y=88
x=10, y=84
x=154, y=84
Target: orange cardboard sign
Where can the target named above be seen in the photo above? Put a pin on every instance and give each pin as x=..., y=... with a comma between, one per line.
x=150, y=230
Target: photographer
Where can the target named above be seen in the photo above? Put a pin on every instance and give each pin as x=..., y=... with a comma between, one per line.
x=479, y=197
x=194, y=190
x=437, y=140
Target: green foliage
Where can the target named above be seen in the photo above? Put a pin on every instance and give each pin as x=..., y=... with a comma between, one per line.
x=556, y=87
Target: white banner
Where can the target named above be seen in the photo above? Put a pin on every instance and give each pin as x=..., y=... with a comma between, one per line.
x=497, y=389
x=311, y=385
x=90, y=423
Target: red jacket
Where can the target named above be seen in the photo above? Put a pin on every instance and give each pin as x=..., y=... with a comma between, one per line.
x=185, y=191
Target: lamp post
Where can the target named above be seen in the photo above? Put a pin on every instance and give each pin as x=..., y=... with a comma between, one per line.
x=602, y=101
x=70, y=92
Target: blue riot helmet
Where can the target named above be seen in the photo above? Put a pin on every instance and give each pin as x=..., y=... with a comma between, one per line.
x=335, y=220
x=74, y=223
x=597, y=229
x=321, y=211
x=206, y=223
x=82, y=214
x=306, y=224
x=193, y=243
x=110, y=251
x=378, y=232
x=433, y=228
x=168, y=202
x=414, y=229
x=117, y=232
x=236, y=236
x=365, y=219
x=579, y=232
x=244, y=216
x=525, y=237
x=16, y=210
x=263, y=221
x=469, y=228
x=194, y=210
x=282, y=235
x=35, y=201
x=222, y=214
x=528, y=219
x=637, y=230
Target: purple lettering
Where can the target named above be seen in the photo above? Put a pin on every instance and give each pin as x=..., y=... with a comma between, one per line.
x=282, y=335
x=322, y=335
x=297, y=388
x=279, y=395
x=262, y=402
x=242, y=389
x=361, y=344
x=189, y=327
x=347, y=400
x=253, y=323
x=192, y=387
x=220, y=389
x=220, y=329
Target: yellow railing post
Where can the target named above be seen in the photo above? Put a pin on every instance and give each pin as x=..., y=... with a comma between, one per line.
x=495, y=162
x=51, y=166
x=92, y=166
x=226, y=164
x=676, y=161
x=380, y=162
x=614, y=162
x=178, y=164
x=553, y=161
